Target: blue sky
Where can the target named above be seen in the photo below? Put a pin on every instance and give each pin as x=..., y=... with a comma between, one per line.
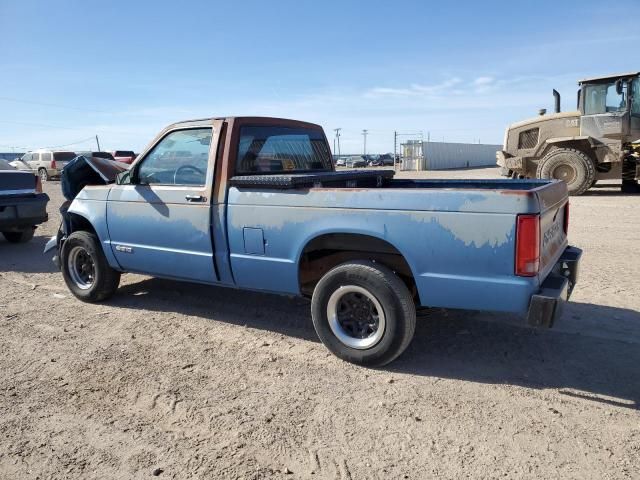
x=459, y=70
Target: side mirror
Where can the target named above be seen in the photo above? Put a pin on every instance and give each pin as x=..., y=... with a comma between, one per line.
x=124, y=178
x=619, y=87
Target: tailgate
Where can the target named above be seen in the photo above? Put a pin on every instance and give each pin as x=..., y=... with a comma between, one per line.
x=17, y=182
x=554, y=209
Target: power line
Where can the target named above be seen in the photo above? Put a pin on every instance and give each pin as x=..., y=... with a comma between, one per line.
x=28, y=124
x=55, y=105
x=92, y=138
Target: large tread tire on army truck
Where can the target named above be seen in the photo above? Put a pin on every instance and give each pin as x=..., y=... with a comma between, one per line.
x=570, y=165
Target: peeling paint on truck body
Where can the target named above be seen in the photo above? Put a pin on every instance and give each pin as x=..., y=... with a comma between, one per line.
x=457, y=237
x=459, y=244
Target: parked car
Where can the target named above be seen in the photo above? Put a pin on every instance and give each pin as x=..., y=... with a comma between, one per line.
x=341, y=162
x=355, y=162
x=374, y=160
x=386, y=159
x=124, y=156
x=366, y=248
x=47, y=163
x=20, y=165
x=23, y=206
x=106, y=155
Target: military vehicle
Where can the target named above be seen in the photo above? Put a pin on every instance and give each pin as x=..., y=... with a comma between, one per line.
x=600, y=140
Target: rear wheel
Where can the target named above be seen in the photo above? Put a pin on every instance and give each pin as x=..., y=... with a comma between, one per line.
x=572, y=166
x=85, y=269
x=363, y=313
x=23, y=236
x=42, y=173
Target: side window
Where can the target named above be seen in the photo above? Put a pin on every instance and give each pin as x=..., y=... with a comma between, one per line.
x=615, y=102
x=35, y=157
x=27, y=157
x=45, y=157
x=635, y=100
x=603, y=98
x=180, y=158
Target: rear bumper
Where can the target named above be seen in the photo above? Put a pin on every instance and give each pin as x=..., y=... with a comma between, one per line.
x=547, y=305
x=21, y=212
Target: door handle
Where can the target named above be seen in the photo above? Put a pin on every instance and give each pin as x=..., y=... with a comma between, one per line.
x=194, y=198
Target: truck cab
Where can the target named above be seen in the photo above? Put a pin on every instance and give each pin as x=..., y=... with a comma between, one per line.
x=598, y=141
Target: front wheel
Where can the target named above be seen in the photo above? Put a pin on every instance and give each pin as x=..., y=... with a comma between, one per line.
x=363, y=313
x=44, y=176
x=574, y=167
x=85, y=269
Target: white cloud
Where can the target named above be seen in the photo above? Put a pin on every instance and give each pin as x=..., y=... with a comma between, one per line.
x=481, y=81
x=415, y=89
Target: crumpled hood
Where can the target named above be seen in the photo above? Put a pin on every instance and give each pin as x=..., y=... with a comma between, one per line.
x=83, y=171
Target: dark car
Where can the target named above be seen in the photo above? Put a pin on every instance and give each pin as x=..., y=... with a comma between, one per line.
x=374, y=160
x=386, y=159
x=356, y=162
x=124, y=156
x=23, y=206
x=106, y=155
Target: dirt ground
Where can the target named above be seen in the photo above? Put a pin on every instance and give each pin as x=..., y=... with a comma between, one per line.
x=185, y=381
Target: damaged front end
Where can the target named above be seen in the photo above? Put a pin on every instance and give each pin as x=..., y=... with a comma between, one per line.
x=77, y=174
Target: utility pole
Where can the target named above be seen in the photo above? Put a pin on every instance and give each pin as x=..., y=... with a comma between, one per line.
x=364, y=134
x=395, y=149
x=337, y=130
x=98, y=142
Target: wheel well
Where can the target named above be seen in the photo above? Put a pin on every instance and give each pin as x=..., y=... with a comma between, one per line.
x=327, y=251
x=77, y=222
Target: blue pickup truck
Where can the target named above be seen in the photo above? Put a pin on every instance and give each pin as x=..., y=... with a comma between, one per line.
x=256, y=204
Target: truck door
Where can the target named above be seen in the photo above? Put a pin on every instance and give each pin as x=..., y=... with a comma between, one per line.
x=161, y=223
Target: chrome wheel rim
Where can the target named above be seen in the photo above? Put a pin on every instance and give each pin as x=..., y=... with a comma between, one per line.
x=43, y=175
x=81, y=268
x=356, y=317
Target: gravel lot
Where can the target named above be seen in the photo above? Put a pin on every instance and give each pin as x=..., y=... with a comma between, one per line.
x=187, y=381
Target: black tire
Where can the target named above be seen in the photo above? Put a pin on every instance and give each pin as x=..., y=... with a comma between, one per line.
x=392, y=295
x=98, y=281
x=573, y=166
x=22, y=236
x=629, y=183
x=43, y=174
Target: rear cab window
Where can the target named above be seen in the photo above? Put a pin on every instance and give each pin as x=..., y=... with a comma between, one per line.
x=281, y=149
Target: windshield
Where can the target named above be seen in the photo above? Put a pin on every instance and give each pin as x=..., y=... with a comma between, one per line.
x=274, y=149
x=603, y=98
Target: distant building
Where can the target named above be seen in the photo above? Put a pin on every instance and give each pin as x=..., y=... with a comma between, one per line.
x=444, y=156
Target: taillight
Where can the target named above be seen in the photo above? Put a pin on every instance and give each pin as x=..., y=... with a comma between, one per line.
x=566, y=218
x=53, y=164
x=38, y=184
x=527, y=245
